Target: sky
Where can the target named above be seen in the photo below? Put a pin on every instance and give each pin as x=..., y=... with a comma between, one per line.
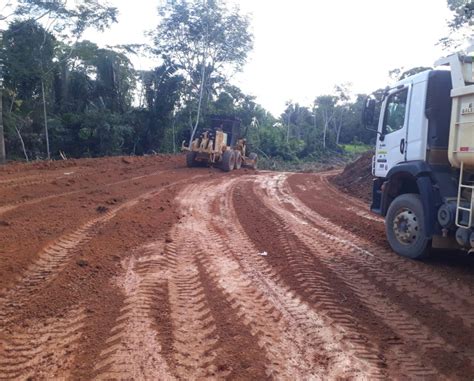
x=303, y=48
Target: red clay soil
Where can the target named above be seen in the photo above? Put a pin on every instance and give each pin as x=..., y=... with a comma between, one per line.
x=356, y=178
x=140, y=268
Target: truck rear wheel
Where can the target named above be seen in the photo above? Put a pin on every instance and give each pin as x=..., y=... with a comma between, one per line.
x=404, y=225
x=191, y=159
x=228, y=160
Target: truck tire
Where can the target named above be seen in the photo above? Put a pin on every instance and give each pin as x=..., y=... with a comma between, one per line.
x=253, y=156
x=191, y=159
x=228, y=161
x=238, y=160
x=404, y=225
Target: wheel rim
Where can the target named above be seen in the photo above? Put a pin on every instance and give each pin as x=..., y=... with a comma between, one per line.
x=406, y=226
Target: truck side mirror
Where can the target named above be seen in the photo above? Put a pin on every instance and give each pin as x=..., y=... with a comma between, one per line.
x=368, y=115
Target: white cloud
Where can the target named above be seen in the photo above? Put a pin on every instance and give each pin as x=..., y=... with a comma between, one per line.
x=304, y=47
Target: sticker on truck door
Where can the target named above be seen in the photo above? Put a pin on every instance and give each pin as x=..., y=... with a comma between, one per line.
x=467, y=108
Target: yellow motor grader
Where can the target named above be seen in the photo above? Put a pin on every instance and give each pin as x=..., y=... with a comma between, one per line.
x=221, y=145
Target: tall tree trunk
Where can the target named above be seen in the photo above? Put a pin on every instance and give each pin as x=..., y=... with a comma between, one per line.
x=288, y=129
x=45, y=120
x=201, y=93
x=22, y=143
x=324, y=134
x=339, y=127
x=338, y=133
x=174, y=133
x=203, y=80
x=326, y=122
x=3, y=156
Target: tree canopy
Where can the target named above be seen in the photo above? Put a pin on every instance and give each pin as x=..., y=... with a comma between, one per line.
x=92, y=101
x=463, y=13
x=206, y=41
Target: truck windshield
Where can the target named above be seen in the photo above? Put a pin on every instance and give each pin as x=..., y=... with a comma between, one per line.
x=394, y=118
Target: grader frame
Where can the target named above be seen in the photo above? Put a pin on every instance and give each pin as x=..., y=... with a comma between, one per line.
x=220, y=145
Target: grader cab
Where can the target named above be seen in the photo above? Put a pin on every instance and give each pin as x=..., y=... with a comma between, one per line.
x=222, y=145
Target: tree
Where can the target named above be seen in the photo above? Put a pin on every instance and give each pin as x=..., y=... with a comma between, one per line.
x=343, y=96
x=207, y=41
x=162, y=87
x=460, y=24
x=28, y=55
x=463, y=13
x=64, y=20
x=68, y=19
x=325, y=106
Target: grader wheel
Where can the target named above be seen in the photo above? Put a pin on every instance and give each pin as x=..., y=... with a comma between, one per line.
x=228, y=161
x=191, y=159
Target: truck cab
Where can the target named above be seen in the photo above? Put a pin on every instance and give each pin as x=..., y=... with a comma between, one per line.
x=414, y=122
x=422, y=190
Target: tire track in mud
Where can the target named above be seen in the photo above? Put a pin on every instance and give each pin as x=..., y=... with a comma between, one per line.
x=458, y=303
x=51, y=260
x=12, y=206
x=37, y=179
x=26, y=180
x=133, y=349
x=194, y=330
x=21, y=203
x=163, y=275
x=239, y=355
x=332, y=252
x=41, y=349
x=313, y=281
x=319, y=282
x=420, y=284
x=297, y=341
x=55, y=256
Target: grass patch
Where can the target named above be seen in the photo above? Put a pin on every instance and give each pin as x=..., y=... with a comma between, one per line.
x=356, y=149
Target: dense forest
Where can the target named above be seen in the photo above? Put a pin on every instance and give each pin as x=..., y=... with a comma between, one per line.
x=63, y=96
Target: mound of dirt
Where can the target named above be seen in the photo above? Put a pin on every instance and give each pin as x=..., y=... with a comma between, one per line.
x=356, y=179
x=48, y=165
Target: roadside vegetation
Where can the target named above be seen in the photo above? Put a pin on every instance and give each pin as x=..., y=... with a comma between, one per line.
x=63, y=96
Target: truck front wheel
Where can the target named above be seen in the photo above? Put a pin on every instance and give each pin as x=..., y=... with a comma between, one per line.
x=404, y=225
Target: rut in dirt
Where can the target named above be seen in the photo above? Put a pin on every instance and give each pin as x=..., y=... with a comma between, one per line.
x=258, y=276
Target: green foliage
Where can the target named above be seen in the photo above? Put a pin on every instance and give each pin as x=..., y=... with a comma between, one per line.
x=27, y=56
x=90, y=91
x=69, y=20
x=463, y=13
x=192, y=31
x=460, y=24
x=356, y=148
x=206, y=41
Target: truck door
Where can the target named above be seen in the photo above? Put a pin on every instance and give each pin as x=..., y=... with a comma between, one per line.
x=393, y=129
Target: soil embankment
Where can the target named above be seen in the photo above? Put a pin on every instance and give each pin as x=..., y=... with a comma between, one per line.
x=142, y=268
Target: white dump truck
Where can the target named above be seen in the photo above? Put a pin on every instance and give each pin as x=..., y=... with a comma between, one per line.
x=424, y=160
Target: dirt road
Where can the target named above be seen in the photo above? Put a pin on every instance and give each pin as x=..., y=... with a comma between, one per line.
x=143, y=269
